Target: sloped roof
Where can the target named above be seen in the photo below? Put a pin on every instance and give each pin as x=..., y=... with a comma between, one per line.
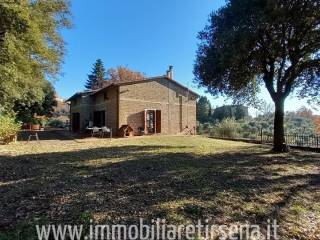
x=77, y=94
x=110, y=83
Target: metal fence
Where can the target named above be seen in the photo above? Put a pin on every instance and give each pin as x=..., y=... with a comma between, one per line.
x=300, y=140
x=303, y=140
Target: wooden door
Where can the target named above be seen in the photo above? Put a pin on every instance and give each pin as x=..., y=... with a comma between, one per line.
x=76, y=122
x=145, y=122
x=158, y=121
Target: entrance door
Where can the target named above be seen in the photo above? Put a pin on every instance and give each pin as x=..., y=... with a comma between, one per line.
x=75, y=122
x=150, y=121
x=99, y=118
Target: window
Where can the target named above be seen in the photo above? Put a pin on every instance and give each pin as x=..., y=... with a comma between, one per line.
x=105, y=96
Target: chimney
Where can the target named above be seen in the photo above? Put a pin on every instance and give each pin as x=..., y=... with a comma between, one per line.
x=170, y=72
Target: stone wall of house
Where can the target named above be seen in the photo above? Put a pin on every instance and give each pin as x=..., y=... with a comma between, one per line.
x=82, y=104
x=112, y=109
x=105, y=101
x=177, y=105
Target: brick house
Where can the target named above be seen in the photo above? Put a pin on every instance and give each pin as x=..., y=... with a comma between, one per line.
x=153, y=105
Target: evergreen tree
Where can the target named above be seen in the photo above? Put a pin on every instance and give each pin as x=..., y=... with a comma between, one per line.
x=97, y=76
x=203, y=109
x=252, y=44
x=230, y=111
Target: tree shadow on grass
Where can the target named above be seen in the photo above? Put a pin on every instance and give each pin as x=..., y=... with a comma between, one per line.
x=121, y=184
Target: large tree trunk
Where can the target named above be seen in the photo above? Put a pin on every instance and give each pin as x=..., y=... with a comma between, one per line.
x=279, y=144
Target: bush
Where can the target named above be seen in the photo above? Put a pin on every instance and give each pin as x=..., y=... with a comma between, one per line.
x=34, y=121
x=204, y=128
x=8, y=128
x=43, y=121
x=227, y=128
x=55, y=123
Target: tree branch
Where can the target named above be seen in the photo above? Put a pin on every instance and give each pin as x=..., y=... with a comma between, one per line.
x=280, y=83
x=297, y=71
x=268, y=79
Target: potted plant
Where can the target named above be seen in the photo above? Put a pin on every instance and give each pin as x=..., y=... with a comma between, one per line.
x=43, y=121
x=26, y=122
x=35, y=124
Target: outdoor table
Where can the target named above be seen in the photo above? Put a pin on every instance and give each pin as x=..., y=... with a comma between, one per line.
x=32, y=133
x=100, y=129
x=91, y=128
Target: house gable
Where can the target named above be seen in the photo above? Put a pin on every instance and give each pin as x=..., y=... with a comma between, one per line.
x=176, y=103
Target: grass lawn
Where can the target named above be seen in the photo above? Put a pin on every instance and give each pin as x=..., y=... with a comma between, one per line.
x=181, y=179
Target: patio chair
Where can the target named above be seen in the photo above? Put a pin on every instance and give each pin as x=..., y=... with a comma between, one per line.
x=95, y=131
x=106, y=130
x=141, y=130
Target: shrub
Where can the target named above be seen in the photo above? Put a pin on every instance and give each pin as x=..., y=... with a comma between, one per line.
x=35, y=121
x=55, y=123
x=8, y=128
x=204, y=128
x=43, y=122
x=227, y=128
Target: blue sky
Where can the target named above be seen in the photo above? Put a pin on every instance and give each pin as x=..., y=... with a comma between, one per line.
x=145, y=35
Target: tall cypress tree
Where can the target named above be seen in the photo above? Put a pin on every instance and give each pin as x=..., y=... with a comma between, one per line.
x=97, y=76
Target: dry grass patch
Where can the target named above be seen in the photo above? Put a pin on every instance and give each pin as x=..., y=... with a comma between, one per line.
x=180, y=178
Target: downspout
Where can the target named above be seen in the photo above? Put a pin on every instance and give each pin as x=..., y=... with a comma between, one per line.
x=70, y=120
x=169, y=113
x=118, y=110
x=187, y=106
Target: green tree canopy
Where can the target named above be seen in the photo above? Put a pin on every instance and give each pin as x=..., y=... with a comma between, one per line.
x=97, y=76
x=203, y=109
x=274, y=43
x=25, y=110
x=232, y=111
x=31, y=48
